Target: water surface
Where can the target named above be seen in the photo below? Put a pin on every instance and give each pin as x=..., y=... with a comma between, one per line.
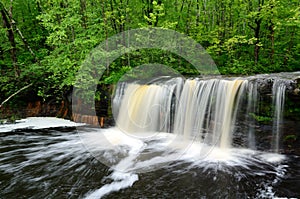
x=60, y=163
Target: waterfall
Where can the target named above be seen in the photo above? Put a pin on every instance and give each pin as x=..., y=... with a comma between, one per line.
x=251, y=109
x=200, y=110
x=146, y=108
x=278, y=92
x=206, y=110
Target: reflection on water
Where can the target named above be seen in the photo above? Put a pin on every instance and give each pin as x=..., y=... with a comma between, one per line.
x=64, y=163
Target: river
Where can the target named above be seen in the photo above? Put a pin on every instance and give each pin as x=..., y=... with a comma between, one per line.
x=55, y=158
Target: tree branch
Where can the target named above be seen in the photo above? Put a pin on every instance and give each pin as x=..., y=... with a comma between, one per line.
x=14, y=25
x=6, y=16
x=251, y=26
x=6, y=100
x=24, y=41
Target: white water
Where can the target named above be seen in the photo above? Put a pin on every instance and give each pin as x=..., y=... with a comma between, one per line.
x=146, y=107
x=153, y=152
x=207, y=110
x=131, y=155
x=162, y=124
x=121, y=181
x=252, y=109
x=38, y=123
x=203, y=110
x=201, y=117
x=278, y=92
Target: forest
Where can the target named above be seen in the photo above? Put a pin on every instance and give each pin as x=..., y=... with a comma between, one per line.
x=44, y=42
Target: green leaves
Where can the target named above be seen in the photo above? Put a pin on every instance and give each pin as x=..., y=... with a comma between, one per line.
x=63, y=32
x=261, y=119
x=115, y=76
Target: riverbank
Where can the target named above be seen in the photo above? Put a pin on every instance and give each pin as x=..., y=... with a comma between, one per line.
x=50, y=109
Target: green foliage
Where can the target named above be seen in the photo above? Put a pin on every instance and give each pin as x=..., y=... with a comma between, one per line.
x=261, y=119
x=290, y=138
x=115, y=76
x=243, y=37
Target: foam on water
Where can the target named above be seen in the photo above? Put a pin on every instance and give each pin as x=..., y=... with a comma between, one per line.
x=121, y=181
x=130, y=155
x=200, y=116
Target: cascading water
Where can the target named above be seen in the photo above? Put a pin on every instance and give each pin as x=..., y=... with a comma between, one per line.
x=174, y=139
x=251, y=108
x=198, y=110
x=202, y=110
x=206, y=110
x=278, y=92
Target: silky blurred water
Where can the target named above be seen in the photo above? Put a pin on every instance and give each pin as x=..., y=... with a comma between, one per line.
x=60, y=163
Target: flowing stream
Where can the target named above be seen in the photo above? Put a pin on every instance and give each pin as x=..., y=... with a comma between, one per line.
x=172, y=139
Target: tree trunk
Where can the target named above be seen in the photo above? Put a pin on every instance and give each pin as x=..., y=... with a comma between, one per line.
x=106, y=34
x=83, y=14
x=11, y=38
x=256, y=29
x=288, y=51
x=198, y=13
x=25, y=41
x=114, y=23
x=257, y=36
x=188, y=20
x=179, y=16
x=272, y=37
